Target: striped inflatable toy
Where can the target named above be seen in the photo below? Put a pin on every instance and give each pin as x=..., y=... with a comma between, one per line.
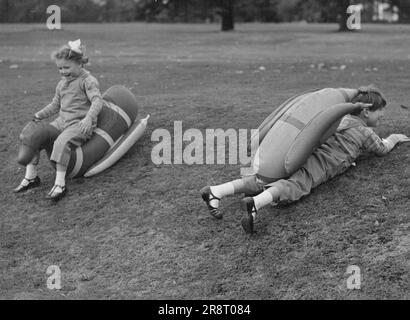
x=120, y=147
x=116, y=117
x=293, y=131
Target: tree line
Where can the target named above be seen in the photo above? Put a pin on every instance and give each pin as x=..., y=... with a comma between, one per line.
x=192, y=11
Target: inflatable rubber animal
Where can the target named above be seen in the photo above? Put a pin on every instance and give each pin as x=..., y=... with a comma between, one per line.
x=116, y=119
x=296, y=128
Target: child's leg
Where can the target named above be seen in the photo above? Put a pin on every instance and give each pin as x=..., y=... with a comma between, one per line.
x=292, y=189
x=213, y=194
x=59, y=189
x=319, y=167
x=31, y=168
x=71, y=136
x=60, y=174
x=297, y=186
x=247, y=185
x=31, y=178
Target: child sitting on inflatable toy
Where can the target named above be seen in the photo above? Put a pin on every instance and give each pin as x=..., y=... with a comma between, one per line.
x=78, y=101
x=352, y=138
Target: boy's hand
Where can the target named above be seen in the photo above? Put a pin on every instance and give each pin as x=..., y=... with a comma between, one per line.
x=362, y=105
x=86, y=125
x=400, y=137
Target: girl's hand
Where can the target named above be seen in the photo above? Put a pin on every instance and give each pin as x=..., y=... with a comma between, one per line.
x=36, y=118
x=86, y=125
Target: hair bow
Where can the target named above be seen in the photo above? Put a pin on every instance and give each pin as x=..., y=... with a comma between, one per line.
x=75, y=46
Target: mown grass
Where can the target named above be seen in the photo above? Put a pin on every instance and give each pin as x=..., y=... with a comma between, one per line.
x=141, y=231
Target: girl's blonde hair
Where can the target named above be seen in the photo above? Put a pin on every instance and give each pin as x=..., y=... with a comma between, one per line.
x=66, y=53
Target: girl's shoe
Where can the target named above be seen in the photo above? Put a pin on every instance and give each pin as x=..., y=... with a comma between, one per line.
x=31, y=183
x=248, y=219
x=208, y=196
x=57, y=192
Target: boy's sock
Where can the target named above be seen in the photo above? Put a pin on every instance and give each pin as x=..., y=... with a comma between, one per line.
x=221, y=191
x=262, y=200
x=31, y=171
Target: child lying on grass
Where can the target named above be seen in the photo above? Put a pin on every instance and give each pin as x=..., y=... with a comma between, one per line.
x=353, y=137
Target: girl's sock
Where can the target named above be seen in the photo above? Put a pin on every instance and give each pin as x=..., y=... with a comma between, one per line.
x=60, y=175
x=221, y=191
x=31, y=171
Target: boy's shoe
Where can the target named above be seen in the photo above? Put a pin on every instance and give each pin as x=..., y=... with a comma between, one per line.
x=208, y=196
x=56, y=193
x=32, y=183
x=247, y=220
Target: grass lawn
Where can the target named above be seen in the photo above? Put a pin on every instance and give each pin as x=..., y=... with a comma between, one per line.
x=141, y=231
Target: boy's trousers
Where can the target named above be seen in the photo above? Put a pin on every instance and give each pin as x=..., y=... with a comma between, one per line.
x=321, y=166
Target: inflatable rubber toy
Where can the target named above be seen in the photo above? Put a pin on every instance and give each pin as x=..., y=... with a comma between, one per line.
x=265, y=126
x=114, y=121
x=293, y=131
x=120, y=147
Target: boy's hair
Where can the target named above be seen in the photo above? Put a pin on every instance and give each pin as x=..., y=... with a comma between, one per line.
x=370, y=94
x=66, y=53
